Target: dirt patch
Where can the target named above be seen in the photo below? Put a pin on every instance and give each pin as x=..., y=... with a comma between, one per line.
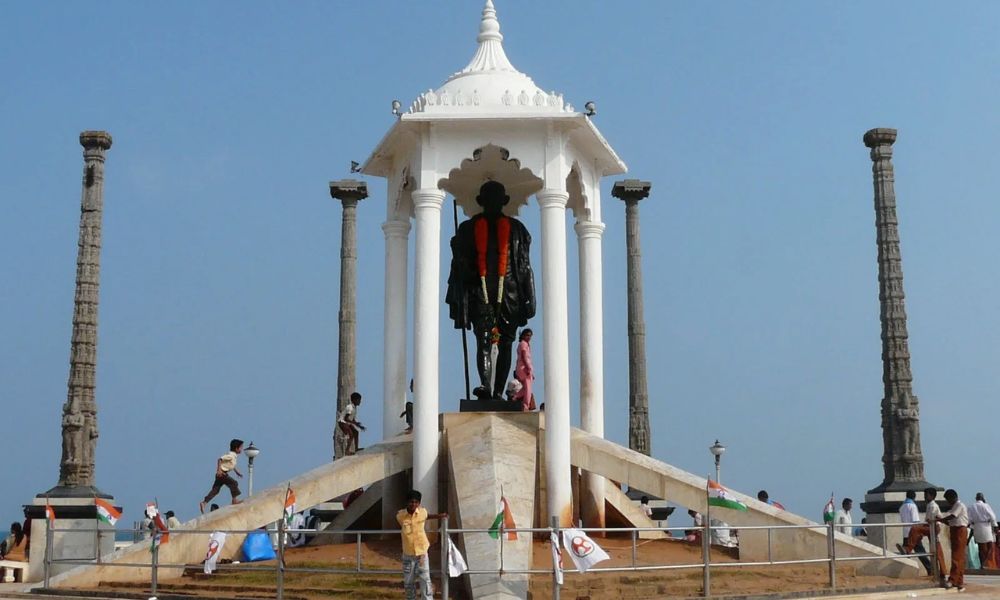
x=383, y=556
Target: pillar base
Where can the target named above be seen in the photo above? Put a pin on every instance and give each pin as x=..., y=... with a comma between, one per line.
x=74, y=491
x=882, y=504
x=74, y=513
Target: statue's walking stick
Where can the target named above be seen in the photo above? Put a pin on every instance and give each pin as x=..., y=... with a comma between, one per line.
x=465, y=315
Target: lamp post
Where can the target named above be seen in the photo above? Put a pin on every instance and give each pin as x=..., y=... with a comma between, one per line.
x=717, y=450
x=251, y=452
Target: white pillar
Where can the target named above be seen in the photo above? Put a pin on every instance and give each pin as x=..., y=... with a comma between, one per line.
x=394, y=353
x=394, y=338
x=555, y=325
x=427, y=204
x=591, y=360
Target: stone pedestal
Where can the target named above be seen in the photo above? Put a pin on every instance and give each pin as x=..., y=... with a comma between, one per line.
x=87, y=540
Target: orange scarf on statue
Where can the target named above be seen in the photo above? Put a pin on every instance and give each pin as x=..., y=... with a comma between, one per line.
x=503, y=249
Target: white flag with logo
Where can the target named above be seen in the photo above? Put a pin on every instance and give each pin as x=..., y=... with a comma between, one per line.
x=215, y=544
x=456, y=562
x=584, y=551
x=557, y=565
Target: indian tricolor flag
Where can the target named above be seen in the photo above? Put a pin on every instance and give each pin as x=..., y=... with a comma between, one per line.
x=289, y=505
x=50, y=513
x=107, y=512
x=721, y=497
x=828, y=511
x=503, y=520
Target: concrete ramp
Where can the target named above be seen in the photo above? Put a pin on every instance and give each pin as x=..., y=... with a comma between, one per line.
x=364, y=504
x=621, y=504
x=487, y=452
x=314, y=487
x=615, y=462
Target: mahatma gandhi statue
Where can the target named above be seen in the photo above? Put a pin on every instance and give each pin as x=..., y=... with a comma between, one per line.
x=491, y=288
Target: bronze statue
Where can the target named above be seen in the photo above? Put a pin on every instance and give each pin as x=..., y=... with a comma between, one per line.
x=491, y=288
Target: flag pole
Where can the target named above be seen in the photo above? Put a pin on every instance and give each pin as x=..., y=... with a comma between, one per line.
x=503, y=524
x=706, y=549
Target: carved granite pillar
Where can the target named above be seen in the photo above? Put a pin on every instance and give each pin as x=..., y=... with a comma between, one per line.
x=631, y=191
x=79, y=418
x=349, y=192
x=902, y=459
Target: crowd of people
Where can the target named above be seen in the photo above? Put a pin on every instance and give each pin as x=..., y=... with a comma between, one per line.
x=960, y=519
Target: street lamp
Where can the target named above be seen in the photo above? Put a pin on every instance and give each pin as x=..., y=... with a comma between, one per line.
x=717, y=450
x=251, y=452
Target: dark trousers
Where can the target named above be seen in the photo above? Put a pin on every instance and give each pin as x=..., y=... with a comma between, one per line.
x=220, y=481
x=959, y=538
x=917, y=533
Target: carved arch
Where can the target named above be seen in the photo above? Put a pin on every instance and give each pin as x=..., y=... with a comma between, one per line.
x=491, y=163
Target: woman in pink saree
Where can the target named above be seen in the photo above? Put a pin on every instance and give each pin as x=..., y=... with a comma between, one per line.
x=524, y=372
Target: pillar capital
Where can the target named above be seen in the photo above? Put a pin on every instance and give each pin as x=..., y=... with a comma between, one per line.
x=880, y=136
x=631, y=190
x=552, y=198
x=589, y=229
x=424, y=198
x=95, y=140
x=349, y=191
x=396, y=228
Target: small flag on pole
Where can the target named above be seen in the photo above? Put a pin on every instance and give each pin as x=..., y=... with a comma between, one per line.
x=584, y=551
x=289, y=504
x=107, y=512
x=215, y=544
x=50, y=514
x=828, y=511
x=723, y=498
x=557, y=563
x=456, y=562
x=503, y=520
x=161, y=535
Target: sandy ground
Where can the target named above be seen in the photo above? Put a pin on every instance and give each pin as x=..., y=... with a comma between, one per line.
x=384, y=555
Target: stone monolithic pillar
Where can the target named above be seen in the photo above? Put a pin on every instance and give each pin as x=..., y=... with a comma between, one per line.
x=427, y=204
x=79, y=421
x=902, y=460
x=555, y=324
x=349, y=192
x=631, y=191
x=591, y=360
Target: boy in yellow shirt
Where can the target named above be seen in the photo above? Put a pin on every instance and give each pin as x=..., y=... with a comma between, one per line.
x=415, y=544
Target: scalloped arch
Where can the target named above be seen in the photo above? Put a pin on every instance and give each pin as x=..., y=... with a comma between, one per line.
x=490, y=163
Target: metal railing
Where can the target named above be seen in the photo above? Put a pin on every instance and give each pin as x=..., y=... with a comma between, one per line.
x=633, y=533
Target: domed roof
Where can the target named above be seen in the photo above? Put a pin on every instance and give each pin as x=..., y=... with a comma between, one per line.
x=489, y=83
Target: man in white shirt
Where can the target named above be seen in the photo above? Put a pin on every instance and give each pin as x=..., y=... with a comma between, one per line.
x=842, y=518
x=957, y=520
x=932, y=515
x=984, y=521
x=909, y=513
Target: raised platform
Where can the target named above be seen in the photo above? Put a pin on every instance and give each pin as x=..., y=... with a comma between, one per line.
x=483, y=455
x=504, y=406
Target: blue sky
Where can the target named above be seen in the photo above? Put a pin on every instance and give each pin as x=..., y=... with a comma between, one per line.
x=220, y=266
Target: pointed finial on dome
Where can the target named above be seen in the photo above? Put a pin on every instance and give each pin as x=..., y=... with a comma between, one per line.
x=489, y=27
x=489, y=55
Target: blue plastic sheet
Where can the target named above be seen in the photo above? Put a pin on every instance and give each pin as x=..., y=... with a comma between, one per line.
x=257, y=546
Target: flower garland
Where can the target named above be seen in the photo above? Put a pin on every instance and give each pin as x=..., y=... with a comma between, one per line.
x=481, y=235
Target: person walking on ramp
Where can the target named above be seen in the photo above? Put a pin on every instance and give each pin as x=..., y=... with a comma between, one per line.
x=223, y=466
